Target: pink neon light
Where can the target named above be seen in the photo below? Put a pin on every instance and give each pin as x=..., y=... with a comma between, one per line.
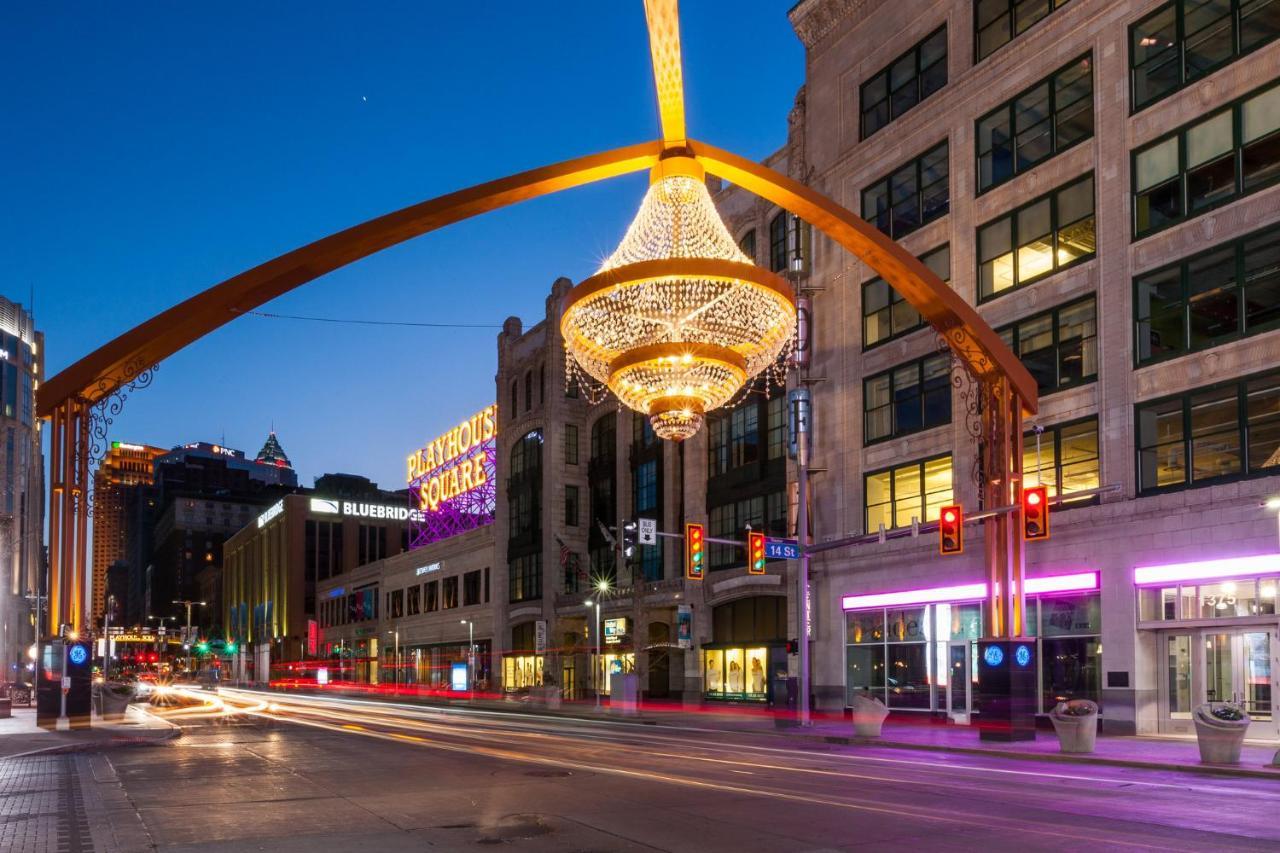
x=1076, y=582
x=1228, y=567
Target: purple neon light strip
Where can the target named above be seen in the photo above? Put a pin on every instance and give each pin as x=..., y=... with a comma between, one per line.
x=1075, y=582
x=1228, y=567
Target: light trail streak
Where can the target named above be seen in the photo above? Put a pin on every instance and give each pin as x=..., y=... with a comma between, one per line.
x=509, y=754
x=504, y=724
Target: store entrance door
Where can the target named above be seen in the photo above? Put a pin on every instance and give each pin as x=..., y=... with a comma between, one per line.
x=959, y=683
x=1219, y=665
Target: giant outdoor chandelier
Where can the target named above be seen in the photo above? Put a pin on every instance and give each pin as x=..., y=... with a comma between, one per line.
x=677, y=320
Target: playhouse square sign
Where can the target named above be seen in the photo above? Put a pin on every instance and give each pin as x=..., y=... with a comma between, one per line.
x=456, y=462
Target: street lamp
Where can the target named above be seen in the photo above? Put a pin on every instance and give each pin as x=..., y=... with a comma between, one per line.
x=471, y=650
x=186, y=634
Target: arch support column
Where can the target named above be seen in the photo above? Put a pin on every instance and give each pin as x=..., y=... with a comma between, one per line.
x=68, y=514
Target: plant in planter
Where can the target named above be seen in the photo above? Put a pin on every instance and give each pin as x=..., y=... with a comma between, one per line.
x=868, y=714
x=1220, y=731
x=1076, y=722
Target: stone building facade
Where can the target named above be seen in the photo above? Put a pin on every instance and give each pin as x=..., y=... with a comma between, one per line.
x=1101, y=180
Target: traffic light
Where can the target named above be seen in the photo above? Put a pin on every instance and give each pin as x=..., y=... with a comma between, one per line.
x=951, y=530
x=694, y=552
x=755, y=552
x=1035, y=513
x=230, y=648
x=202, y=647
x=630, y=534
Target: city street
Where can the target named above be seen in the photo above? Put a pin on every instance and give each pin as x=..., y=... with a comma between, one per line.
x=256, y=771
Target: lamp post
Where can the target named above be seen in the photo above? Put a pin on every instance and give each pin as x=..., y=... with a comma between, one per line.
x=471, y=651
x=602, y=589
x=186, y=634
x=106, y=636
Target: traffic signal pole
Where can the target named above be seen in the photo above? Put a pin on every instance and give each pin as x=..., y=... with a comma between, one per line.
x=802, y=542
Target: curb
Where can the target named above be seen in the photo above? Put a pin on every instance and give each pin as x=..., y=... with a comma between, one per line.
x=174, y=732
x=1062, y=757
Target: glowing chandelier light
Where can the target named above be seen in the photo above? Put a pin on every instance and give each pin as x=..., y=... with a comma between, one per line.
x=677, y=320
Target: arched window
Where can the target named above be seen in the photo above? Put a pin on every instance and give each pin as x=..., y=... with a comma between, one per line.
x=748, y=244
x=778, y=242
x=528, y=390
x=542, y=384
x=514, y=401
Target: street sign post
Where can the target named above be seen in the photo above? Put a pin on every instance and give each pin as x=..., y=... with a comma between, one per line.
x=782, y=549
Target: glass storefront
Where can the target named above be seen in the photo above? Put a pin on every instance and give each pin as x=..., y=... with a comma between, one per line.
x=615, y=663
x=919, y=658
x=736, y=673
x=520, y=672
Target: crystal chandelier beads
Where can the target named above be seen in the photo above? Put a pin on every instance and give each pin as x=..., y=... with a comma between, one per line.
x=677, y=320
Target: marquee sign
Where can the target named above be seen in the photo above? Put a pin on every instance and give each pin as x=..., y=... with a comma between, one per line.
x=452, y=479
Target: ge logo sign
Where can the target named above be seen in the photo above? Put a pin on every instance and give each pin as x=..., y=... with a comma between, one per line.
x=1022, y=655
x=78, y=655
x=994, y=655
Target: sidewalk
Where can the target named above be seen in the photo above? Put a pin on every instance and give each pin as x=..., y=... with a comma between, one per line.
x=19, y=735
x=1179, y=754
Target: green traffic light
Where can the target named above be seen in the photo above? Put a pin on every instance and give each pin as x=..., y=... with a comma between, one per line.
x=230, y=648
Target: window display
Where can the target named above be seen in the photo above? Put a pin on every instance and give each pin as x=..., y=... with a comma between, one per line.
x=736, y=673
x=520, y=672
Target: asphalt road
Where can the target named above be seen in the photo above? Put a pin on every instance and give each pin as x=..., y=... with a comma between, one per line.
x=259, y=772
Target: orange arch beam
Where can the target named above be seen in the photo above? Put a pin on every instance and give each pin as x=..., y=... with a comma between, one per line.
x=97, y=374
x=961, y=326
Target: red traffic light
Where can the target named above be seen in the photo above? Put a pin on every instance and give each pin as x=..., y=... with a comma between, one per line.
x=951, y=530
x=755, y=553
x=1035, y=513
x=694, y=556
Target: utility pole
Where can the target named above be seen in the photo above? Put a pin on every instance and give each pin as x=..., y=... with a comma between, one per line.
x=186, y=635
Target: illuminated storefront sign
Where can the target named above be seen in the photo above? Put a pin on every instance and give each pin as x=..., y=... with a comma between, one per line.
x=427, y=569
x=120, y=445
x=274, y=510
x=614, y=630
x=452, y=478
x=359, y=509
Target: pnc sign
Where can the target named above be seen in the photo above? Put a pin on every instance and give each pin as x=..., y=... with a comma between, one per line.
x=455, y=463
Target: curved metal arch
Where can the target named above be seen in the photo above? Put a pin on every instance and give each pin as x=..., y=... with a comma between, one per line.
x=118, y=361
x=960, y=325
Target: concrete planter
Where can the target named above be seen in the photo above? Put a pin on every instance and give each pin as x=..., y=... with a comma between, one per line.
x=1076, y=722
x=868, y=715
x=1220, y=740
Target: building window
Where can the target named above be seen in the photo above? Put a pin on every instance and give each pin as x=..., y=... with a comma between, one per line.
x=1185, y=40
x=528, y=390
x=514, y=401
x=395, y=603
x=542, y=384
x=448, y=593
x=1067, y=460
x=778, y=242
x=1230, y=154
x=729, y=521
x=1045, y=120
x=885, y=314
x=1211, y=434
x=907, y=81
x=646, y=486
x=604, y=437
x=748, y=244
x=1058, y=347
x=1230, y=292
x=471, y=588
x=432, y=597
x=777, y=414
x=915, y=193
x=998, y=22
x=744, y=435
x=908, y=398
x=571, y=444
x=372, y=543
x=524, y=575
x=1042, y=237
x=914, y=490
x=414, y=603
x=570, y=506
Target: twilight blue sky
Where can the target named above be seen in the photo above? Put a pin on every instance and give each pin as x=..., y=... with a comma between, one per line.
x=151, y=150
